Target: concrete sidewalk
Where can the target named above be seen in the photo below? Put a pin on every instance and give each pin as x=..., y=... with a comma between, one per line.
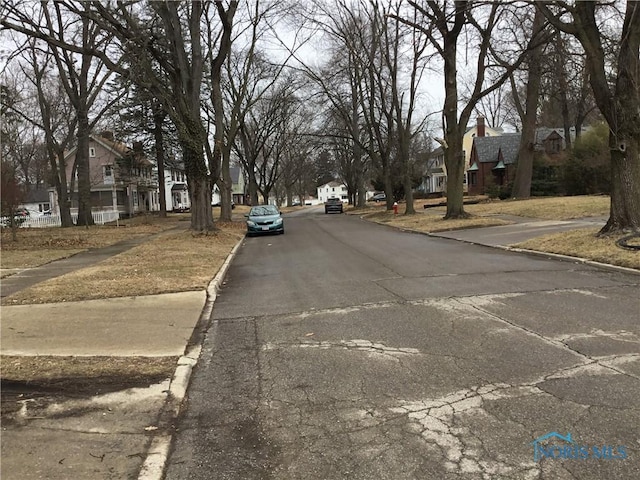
x=524, y=229
x=153, y=326
x=112, y=435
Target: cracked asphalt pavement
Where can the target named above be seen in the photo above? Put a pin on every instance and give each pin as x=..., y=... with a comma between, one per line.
x=345, y=349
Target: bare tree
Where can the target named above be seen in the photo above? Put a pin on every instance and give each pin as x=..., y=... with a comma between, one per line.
x=167, y=35
x=246, y=76
x=58, y=122
x=529, y=115
x=617, y=95
x=444, y=23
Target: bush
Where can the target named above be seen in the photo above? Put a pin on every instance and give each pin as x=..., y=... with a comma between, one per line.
x=587, y=169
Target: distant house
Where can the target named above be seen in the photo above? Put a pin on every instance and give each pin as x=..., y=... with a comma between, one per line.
x=176, y=191
x=552, y=141
x=121, y=177
x=480, y=129
x=38, y=199
x=434, y=178
x=238, y=188
x=492, y=161
x=333, y=190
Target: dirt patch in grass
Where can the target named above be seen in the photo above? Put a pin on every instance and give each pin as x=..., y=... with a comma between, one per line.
x=585, y=244
x=47, y=379
x=175, y=261
x=548, y=208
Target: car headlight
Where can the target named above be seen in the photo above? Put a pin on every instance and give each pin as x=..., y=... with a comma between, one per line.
x=278, y=221
x=250, y=223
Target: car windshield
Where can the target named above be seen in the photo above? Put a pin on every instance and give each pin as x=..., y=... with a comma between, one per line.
x=263, y=210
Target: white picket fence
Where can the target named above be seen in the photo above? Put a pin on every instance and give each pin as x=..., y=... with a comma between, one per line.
x=45, y=221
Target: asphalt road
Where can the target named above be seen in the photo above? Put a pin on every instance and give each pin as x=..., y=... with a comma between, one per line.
x=345, y=349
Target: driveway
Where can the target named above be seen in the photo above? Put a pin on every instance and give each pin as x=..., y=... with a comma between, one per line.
x=345, y=349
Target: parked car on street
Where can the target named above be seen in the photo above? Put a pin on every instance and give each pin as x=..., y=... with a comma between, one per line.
x=378, y=197
x=264, y=219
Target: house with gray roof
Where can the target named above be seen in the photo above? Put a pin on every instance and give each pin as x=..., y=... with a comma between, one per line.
x=492, y=161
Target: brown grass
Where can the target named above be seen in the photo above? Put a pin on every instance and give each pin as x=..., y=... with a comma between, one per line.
x=427, y=221
x=50, y=370
x=83, y=238
x=173, y=262
x=584, y=243
x=432, y=223
x=548, y=208
x=13, y=261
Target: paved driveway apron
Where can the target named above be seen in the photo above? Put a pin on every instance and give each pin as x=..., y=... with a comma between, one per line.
x=350, y=350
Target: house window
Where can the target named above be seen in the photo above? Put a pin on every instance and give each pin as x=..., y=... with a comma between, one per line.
x=92, y=152
x=333, y=189
x=473, y=178
x=135, y=198
x=108, y=174
x=43, y=207
x=344, y=189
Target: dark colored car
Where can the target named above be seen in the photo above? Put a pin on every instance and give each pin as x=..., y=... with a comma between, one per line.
x=264, y=219
x=378, y=197
x=333, y=205
x=233, y=205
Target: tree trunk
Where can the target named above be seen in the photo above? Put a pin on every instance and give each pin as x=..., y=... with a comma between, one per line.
x=253, y=190
x=524, y=167
x=199, y=187
x=84, y=179
x=226, y=187
x=454, y=161
x=453, y=154
x=624, y=214
x=158, y=119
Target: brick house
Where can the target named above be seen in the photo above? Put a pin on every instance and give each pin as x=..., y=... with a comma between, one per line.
x=492, y=162
x=122, y=178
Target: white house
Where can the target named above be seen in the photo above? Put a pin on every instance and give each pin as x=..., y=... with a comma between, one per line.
x=434, y=178
x=38, y=200
x=332, y=190
x=176, y=191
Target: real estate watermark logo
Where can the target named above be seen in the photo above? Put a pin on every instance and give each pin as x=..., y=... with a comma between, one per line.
x=564, y=447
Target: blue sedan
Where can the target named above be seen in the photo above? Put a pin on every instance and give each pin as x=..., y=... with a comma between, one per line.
x=264, y=219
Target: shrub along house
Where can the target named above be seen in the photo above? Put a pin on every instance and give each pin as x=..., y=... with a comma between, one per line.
x=121, y=177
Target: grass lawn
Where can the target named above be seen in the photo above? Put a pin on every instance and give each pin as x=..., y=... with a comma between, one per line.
x=584, y=243
x=175, y=261
x=428, y=223
x=37, y=246
x=548, y=208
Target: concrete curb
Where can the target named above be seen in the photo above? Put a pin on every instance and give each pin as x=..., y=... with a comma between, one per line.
x=158, y=451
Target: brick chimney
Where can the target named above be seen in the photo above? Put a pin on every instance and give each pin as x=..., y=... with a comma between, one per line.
x=108, y=134
x=480, y=132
